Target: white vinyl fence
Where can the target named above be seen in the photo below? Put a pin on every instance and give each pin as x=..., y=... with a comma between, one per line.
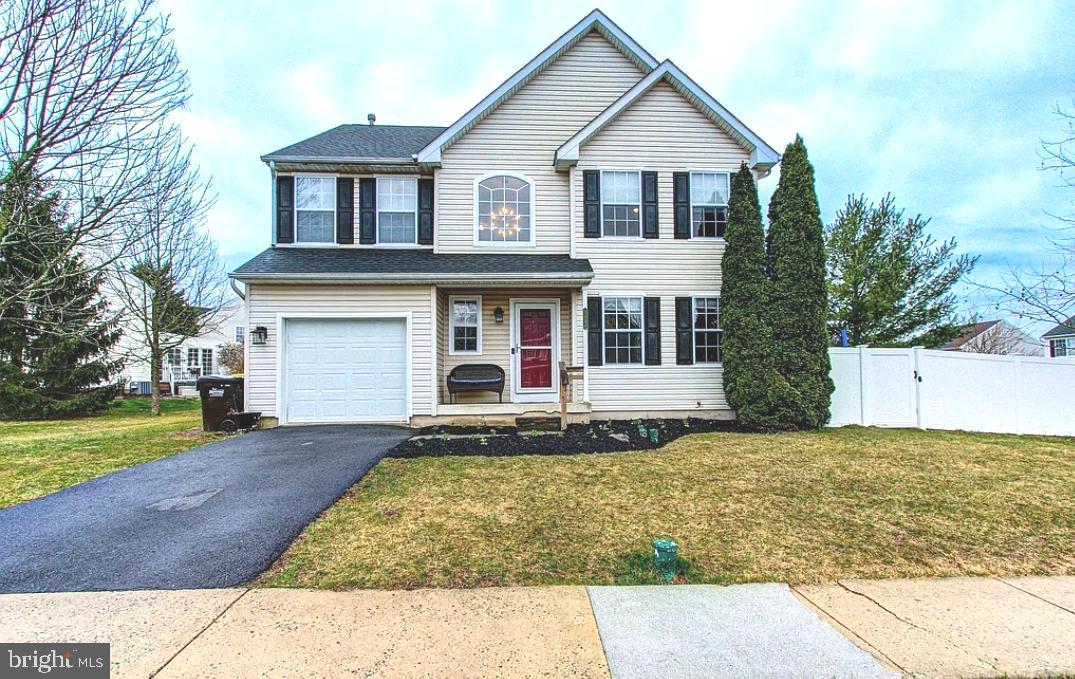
x=952, y=390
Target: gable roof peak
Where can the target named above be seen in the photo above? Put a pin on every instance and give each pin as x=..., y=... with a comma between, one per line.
x=595, y=20
x=762, y=156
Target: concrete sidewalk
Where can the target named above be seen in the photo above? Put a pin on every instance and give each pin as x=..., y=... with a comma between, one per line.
x=951, y=627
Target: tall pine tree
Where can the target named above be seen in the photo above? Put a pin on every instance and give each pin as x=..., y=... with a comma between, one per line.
x=53, y=348
x=798, y=309
x=759, y=394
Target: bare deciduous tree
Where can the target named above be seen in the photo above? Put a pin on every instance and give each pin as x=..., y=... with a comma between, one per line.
x=169, y=278
x=1003, y=339
x=1047, y=292
x=86, y=89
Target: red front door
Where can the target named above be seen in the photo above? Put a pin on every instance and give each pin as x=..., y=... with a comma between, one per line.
x=535, y=348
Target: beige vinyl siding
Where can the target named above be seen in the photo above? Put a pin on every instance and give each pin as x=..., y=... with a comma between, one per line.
x=265, y=302
x=662, y=131
x=496, y=337
x=522, y=136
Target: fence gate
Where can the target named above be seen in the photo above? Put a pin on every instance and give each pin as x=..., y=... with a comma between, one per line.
x=890, y=393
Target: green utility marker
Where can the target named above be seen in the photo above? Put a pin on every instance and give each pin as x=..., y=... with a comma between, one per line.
x=665, y=558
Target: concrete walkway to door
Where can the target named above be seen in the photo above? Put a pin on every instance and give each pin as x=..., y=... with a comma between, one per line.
x=213, y=516
x=966, y=627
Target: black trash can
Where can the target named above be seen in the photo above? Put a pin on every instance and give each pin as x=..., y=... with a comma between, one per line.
x=222, y=404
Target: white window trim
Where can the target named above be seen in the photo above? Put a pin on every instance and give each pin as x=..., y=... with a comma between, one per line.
x=694, y=315
x=235, y=334
x=295, y=209
x=601, y=215
x=451, y=324
x=690, y=196
x=377, y=211
x=212, y=358
x=642, y=329
x=533, y=217
x=197, y=356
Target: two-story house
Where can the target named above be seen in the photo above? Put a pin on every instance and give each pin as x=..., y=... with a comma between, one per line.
x=575, y=215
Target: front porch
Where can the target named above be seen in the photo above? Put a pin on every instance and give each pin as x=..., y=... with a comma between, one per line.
x=528, y=333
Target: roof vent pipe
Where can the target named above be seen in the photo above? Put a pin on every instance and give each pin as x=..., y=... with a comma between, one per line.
x=372, y=118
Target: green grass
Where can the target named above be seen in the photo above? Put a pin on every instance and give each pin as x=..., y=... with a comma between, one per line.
x=37, y=458
x=800, y=507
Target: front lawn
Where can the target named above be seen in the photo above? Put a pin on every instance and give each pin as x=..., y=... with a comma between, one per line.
x=804, y=507
x=37, y=458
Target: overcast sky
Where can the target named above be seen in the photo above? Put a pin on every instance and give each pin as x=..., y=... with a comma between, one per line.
x=943, y=104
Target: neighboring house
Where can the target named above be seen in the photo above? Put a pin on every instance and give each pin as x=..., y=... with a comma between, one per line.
x=995, y=337
x=194, y=357
x=573, y=215
x=1061, y=339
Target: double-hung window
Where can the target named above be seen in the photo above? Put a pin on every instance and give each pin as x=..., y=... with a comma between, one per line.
x=240, y=334
x=621, y=203
x=397, y=210
x=709, y=204
x=207, y=360
x=315, y=209
x=707, y=332
x=466, y=325
x=1058, y=348
x=622, y=327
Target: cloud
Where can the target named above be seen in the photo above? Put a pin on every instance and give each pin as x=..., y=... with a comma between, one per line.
x=942, y=104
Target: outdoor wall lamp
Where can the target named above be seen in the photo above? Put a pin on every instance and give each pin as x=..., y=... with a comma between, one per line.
x=498, y=314
x=259, y=335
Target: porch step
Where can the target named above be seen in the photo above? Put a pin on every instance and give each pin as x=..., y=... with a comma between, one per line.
x=537, y=423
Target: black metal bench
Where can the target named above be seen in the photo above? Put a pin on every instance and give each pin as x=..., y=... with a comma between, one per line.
x=476, y=377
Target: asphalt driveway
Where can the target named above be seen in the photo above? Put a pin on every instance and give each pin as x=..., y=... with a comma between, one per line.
x=214, y=516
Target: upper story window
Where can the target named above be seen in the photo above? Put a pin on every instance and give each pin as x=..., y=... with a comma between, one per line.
x=505, y=209
x=621, y=203
x=397, y=210
x=709, y=204
x=315, y=209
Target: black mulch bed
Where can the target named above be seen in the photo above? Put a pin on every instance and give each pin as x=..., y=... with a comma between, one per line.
x=596, y=437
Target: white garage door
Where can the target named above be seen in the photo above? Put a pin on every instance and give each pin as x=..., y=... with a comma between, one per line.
x=345, y=370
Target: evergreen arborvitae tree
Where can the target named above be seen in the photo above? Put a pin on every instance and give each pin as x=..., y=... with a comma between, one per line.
x=759, y=394
x=53, y=349
x=798, y=309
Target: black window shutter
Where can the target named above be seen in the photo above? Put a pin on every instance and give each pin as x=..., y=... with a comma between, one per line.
x=653, y=330
x=594, y=345
x=681, y=202
x=285, y=209
x=345, y=210
x=591, y=203
x=649, y=205
x=425, y=211
x=684, y=331
x=367, y=211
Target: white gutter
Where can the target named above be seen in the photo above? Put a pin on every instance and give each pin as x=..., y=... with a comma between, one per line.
x=579, y=277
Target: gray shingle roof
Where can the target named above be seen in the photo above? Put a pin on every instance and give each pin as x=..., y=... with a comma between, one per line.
x=360, y=142
x=1062, y=330
x=395, y=263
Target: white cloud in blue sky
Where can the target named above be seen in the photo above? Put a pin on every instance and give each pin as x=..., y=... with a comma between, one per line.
x=943, y=104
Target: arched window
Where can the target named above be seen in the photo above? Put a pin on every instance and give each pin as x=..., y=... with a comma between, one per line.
x=505, y=209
